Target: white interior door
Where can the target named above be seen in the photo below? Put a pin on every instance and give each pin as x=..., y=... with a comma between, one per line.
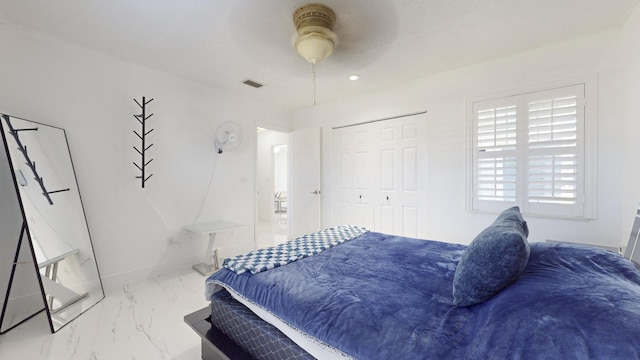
x=305, y=199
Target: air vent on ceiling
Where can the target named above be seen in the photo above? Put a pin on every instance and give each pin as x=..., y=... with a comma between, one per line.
x=252, y=83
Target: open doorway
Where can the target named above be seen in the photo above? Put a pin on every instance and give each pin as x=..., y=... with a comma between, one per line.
x=272, y=187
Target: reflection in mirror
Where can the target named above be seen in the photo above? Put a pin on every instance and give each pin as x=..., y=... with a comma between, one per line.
x=24, y=300
x=44, y=179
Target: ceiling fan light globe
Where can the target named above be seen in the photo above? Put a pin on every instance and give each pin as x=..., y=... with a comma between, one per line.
x=314, y=47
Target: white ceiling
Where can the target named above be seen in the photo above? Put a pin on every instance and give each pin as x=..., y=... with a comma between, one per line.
x=223, y=42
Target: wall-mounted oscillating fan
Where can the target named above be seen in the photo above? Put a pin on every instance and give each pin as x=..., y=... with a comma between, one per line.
x=228, y=136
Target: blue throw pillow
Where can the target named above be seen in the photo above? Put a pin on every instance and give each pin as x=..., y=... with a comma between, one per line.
x=493, y=260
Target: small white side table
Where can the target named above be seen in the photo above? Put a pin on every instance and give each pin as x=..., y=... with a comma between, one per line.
x=210, y=262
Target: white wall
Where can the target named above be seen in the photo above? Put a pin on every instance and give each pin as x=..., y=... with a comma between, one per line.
x=444, y=97
x=135, y=231
x=629, y=131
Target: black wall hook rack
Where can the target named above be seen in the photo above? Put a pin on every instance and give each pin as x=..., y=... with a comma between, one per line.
x=30, y=163
x=142, y=119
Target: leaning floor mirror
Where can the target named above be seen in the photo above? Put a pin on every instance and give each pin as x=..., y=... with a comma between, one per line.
x=46, y=255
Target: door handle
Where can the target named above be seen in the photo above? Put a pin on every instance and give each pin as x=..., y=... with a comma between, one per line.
x=315, y=192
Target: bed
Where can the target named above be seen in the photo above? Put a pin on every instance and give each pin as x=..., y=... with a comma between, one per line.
x=349, y=293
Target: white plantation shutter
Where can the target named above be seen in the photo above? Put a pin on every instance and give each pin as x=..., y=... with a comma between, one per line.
x=496, y=157
x=529, y=150
x=556, y=151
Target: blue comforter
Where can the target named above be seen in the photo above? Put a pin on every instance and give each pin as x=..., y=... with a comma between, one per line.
x=387, y=297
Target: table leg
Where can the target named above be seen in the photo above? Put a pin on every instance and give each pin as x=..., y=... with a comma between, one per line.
x=210, y=262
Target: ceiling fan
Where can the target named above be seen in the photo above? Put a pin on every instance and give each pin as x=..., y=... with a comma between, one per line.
x=318, y=31
x=314, y=27
x=315, y=39
x=228, y=136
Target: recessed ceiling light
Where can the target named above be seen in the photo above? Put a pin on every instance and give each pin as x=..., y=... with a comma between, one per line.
x=354, y=77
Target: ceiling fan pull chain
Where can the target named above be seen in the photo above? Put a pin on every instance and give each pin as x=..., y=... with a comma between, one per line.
x=313, y=78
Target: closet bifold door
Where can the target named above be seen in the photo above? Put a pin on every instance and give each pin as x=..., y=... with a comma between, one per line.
x=380, y=175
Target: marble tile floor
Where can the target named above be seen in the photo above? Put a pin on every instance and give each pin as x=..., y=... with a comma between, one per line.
x=137, y=321
x=274, y=232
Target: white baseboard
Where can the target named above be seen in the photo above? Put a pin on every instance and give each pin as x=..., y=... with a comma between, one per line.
x=116, y=281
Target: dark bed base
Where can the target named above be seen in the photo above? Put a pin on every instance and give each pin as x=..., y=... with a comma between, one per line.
x=215, y=344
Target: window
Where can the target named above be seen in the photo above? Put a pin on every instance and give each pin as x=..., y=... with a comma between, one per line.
x=531, y=150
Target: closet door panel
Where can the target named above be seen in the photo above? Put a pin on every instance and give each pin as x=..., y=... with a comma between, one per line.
x=386, y=133
x=411, y=194
x=410, y=221
x=410, y=169
x=386, y=172
x=386, y=206
x=399, y=176
x=361, y=171
x=410, y=131
x=361, y=195
x=387, y=219
x=352, y=204
x=342, y=206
